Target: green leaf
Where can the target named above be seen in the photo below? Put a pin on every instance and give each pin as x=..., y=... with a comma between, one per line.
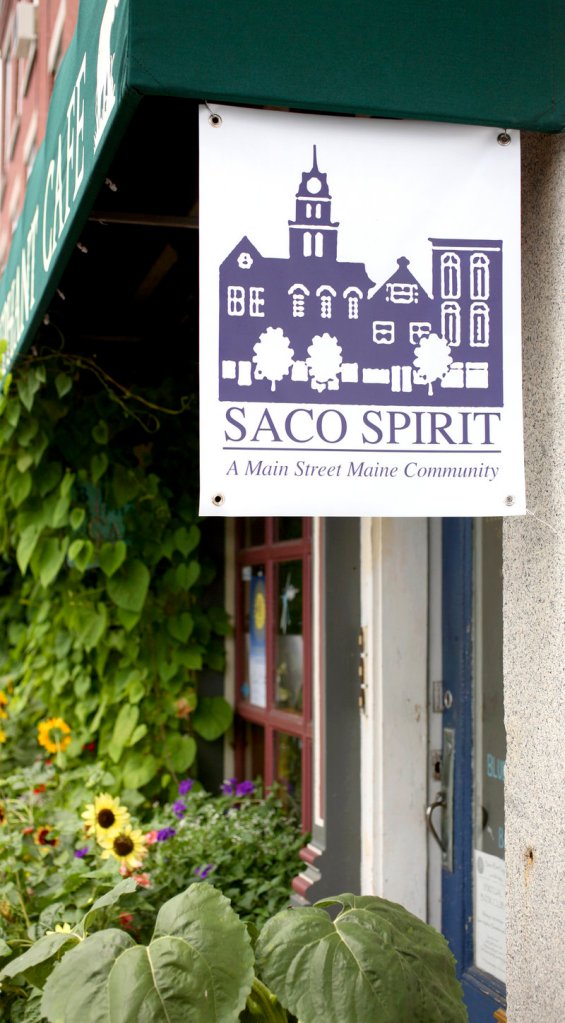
x=187, y=539
x=76, y=518
x=374, y=961
x=91, y=625
x=109, y=899
x=179, y=751
x=222, y=955
x=18, y=486
x=98, y=465
x=26, y=546
x=27, y=386
x=128, y=619
x=138, y=733
x=24, y=461
x=63, y=383
x=212, y=717
x=48, y=559
x=111, y=556
x=47, y=478
x=138, y=769
x=123, y=727
x=5, y=949
x=186, y=575
x=128, y=588
x=76, y=990
x=81, y=554
x=126, y=485
x=41, y=954
x=180, y=627
x=100, y=432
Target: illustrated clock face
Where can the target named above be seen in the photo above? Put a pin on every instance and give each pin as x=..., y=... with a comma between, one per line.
x=314, y=185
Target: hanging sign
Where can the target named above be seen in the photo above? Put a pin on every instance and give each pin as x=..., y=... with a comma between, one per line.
x=360, y=317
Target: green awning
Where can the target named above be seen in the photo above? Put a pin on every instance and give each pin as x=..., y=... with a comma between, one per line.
x=496, y=62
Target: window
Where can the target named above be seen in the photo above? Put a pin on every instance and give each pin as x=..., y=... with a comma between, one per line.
x=273, y=654
x=245, y=261
x=451, y=322
x=419, y=330
x=307, y=243
x=450, y=275
x=325, y=293
x=318, y=210
x=479, y=275
x=402, y=293
x=383, y=332
x=308, y=210
x=318, y=244
x=236, y=300
x=353, y=295
x=298, y=292
x=479, y=325
x=256, y=301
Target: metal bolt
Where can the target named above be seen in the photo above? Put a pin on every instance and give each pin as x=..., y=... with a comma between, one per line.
x=448, y=699
x=504, y=139
x=218, y=500
x=215, y=120
x=509, y=500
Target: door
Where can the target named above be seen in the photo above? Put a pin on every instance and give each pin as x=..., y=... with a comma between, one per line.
x=473, y=760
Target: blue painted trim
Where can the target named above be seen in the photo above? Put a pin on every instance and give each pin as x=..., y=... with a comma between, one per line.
x=483, y=994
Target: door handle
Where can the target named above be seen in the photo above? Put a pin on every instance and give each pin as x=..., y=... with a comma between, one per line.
x=438, y=802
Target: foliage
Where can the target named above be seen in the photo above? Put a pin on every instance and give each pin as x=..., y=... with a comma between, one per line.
x=104, y=582
x=432, y=359
x=373, y=961
x=54, y=862
x=247, y=846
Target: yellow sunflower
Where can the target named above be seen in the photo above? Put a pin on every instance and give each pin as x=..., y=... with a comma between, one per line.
x=3, y=735
x=3, y=704
x=105, y=816
x=127, y=846
x=3, y=815
x=54, y=735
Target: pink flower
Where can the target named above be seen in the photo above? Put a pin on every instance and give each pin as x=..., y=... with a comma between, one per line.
x=150, y=838
x=143, y=879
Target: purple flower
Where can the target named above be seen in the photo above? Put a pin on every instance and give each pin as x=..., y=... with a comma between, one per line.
x=82, y=852
x=245, y=788
x=228, y=786
x=179, y=808
x=185, y=786
x=165, y=833
x=202, y=872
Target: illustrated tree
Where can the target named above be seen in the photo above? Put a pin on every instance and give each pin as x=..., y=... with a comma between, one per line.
x=273, y=356
x=432, y=359
x=324, y=361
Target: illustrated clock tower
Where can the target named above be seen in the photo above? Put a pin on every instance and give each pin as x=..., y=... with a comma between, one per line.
x=312, y=234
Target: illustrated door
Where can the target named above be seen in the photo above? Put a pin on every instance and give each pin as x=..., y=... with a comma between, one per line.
x=473, y=761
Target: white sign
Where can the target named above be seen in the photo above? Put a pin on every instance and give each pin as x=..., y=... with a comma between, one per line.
x=360, y=317
x=490, y=914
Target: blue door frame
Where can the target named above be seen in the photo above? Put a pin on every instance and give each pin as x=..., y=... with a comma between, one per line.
x=483, y=993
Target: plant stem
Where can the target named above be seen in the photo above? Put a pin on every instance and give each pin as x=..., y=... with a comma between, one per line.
x=263, y=1004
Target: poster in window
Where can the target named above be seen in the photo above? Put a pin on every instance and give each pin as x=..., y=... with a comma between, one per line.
x=360, y=317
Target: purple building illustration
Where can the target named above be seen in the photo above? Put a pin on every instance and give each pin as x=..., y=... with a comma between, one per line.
x=310, y=328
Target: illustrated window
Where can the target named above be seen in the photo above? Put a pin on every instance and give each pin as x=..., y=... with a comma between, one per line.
x=402, y=294
x=480, y=282
x=325, y=294
x=451, y=322
x=298, y=292
x=450, y=275
x=479, y=325
x=236, y=300
x=419, y=330
x=352, y=295
x=383, y=332
x=273, y=656
x=256, y=301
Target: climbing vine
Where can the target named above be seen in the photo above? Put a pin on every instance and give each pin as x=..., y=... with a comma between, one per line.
x=104, y=583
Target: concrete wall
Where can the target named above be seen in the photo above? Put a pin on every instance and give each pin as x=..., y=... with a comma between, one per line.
x=534, y=613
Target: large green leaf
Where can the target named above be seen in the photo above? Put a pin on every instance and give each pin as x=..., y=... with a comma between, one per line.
x=212, y=717
x=138, y=769
x=374, y=961
x=26, y=546
x=128, y=587
x=18, y=486
x=48, y=558
x=41, y=954
x=187, y=539
x=78, y=987
x=179, y=751
x=221, y=946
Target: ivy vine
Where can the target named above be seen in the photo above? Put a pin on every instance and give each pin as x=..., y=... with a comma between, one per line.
x=104, y=587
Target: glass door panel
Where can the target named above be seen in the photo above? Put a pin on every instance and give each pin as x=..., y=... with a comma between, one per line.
x=289, y=642
x=253, y=687
x=288, y=768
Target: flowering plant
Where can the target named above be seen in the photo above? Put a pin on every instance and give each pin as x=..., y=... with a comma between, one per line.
x=374, y=960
